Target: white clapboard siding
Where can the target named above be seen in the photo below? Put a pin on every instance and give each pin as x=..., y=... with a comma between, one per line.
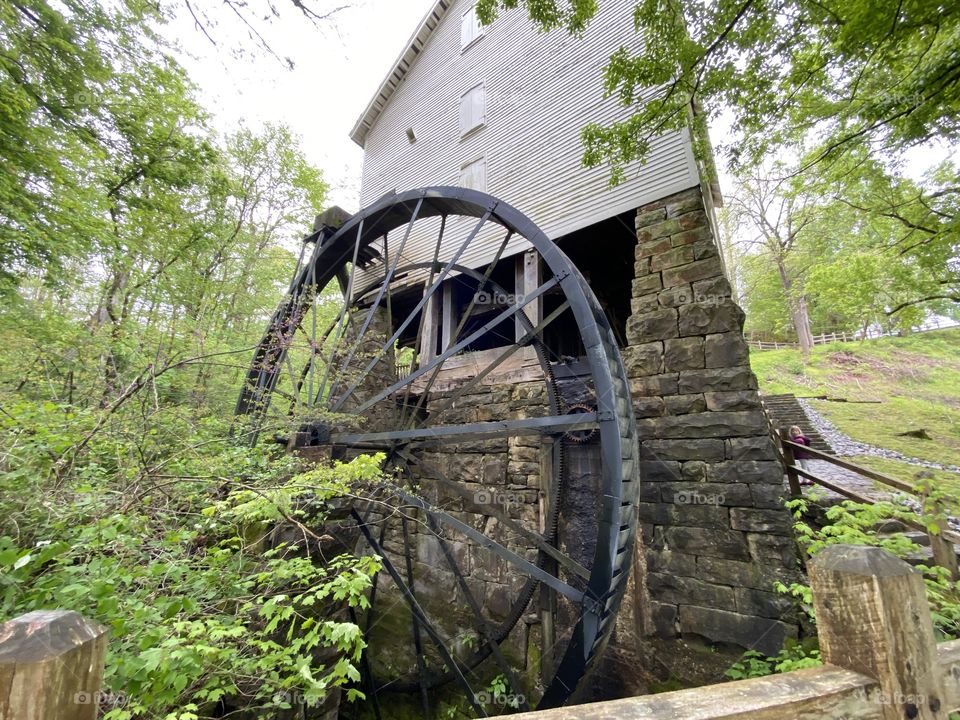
x=540, y=89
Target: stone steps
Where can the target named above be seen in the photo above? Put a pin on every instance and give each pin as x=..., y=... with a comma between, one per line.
x=785, y=410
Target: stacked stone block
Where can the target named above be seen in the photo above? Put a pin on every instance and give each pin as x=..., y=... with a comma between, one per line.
x=716, y=533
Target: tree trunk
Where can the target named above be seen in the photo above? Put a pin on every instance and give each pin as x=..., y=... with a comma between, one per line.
x=798, y=309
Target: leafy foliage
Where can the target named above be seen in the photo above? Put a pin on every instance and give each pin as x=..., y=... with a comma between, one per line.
x=852, y=523
x=140, y=255
x=794, y=656
x=837, y=91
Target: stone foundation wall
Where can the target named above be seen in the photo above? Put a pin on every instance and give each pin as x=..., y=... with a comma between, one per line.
x=715, y=531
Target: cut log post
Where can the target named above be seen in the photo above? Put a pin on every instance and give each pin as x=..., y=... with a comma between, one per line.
x=872, y=618
x=944, y=553
x=51, y=666
x=789, y=465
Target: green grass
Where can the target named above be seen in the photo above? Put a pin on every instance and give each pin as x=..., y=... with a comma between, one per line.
x=948, y=482
x=916, y=378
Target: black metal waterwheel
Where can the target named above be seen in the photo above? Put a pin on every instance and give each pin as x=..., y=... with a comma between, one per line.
x=392, y=329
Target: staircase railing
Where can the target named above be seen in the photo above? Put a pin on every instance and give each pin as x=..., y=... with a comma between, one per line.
x=942, y=539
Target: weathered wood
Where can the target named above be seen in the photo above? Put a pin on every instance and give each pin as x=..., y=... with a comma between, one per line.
x=944, y=553
x=521, y=366
x=790, y=465
x=448, y=318
x=431, y=329
x=527, y=281
x=333, y=218
x=948, y=659
x=866, y=472
x=873, y=619
x=51, y=666
x=827, y=693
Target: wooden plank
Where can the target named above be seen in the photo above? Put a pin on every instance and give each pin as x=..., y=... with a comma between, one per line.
x=527, y=280
x=431, y=329
x=941, y=543
x=448, y=317
x=827, y=693
x=51, y=666
x=873, y=619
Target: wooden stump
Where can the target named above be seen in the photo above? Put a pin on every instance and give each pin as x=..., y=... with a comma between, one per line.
x=872, y=618
x=51, y=666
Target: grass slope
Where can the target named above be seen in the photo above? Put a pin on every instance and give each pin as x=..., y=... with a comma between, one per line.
x=916, y=378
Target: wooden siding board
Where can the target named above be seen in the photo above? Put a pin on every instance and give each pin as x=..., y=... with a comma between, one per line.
x=541, y=89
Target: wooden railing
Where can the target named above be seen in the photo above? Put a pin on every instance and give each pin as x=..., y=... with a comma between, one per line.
x=877, y=643
x=845, y=336
x=942, y=539
x=876, y=639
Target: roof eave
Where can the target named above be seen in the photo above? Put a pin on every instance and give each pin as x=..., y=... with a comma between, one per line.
x=400, y=67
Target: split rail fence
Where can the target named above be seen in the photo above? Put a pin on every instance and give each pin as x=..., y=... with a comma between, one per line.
x=844, y=336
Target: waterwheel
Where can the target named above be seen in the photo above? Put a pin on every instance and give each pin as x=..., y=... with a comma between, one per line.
x=495, y=392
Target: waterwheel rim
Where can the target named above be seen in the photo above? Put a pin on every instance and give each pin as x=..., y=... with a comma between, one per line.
x=372, y=261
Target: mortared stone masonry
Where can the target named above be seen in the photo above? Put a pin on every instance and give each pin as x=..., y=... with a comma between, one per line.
x=715, y=531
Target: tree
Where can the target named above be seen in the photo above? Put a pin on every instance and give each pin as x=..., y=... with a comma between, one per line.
x=854, y=70
x=777, y=216
x=855, y=81
x=916, y=226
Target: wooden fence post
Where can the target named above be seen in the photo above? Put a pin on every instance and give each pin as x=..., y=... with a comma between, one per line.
x=944, y=554
x=790, y=463
x=51, y=666
x=873, y=618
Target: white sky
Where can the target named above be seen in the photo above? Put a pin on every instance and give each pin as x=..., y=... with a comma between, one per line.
x=338, y=68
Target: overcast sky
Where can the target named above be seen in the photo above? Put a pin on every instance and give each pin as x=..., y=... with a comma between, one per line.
x=338, y=68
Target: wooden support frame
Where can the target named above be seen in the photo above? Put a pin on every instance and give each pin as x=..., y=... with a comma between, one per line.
x=527, y=280
x=431, y=330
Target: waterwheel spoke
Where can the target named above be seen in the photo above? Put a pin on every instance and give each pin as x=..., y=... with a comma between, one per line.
x=546, y=425
x=534, y=334
x=384, y=289
x=524, y=565
x=418, y=341
x=344, y=311
x=418, y=647
x=421, y=616
x=538, y=540
x=313, y=333
x=454, y=349
x=417, y=308
x=486, y=632
x=481, y=284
